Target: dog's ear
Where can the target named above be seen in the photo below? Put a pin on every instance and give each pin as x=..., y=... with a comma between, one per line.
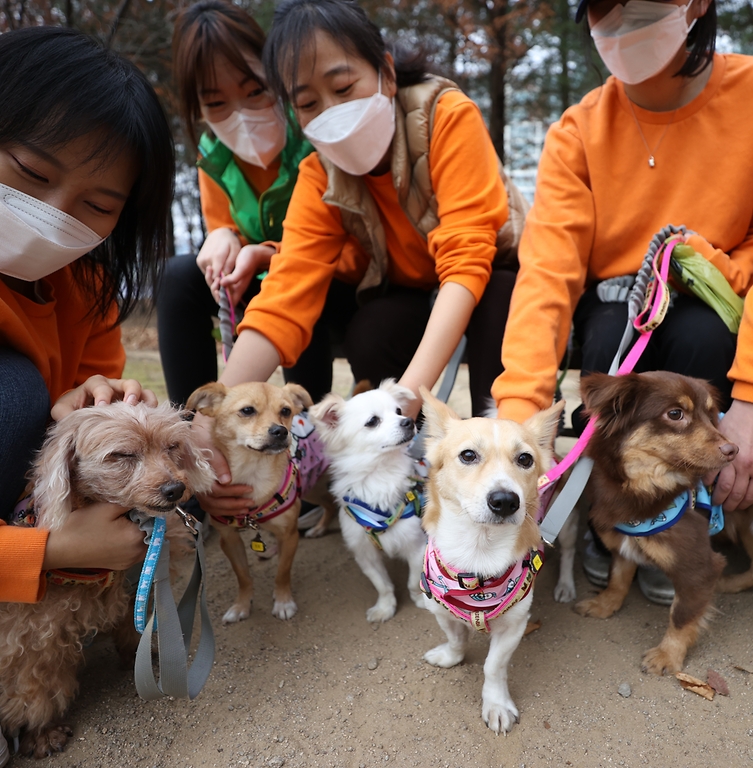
x=51, y=472
x=613, y=400
x=437, y=415
x=300, y=396
x=545, y=424
x=206, y=399
x=402, y=395
x=326, y=413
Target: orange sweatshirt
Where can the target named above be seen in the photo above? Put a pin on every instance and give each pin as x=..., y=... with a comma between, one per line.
x=215, y=205
x=67, y=347
x=598, y=204
x=472, y=206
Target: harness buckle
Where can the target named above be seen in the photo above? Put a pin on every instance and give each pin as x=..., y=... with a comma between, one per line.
x=188, y=520
x=469, y=581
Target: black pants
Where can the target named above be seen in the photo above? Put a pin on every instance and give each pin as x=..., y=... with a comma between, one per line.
x=378, y=338
x=691, y=340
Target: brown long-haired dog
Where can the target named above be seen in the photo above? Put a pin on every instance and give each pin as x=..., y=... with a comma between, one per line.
x=656, y=436
x=252, y=428
x=135, y=456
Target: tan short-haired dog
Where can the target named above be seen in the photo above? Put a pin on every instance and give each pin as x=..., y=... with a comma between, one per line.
x=134, y=456
x=484, y=545
x=252, y=428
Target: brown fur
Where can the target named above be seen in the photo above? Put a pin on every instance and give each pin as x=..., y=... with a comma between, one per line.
x=116, y=453
x=656, y=436
x=738, y=528
x=252, y=429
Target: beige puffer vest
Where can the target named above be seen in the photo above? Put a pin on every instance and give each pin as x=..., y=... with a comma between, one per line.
x=414, y=118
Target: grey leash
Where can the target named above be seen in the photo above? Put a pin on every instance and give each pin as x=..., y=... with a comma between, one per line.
x=174, y=626
x=615, y=289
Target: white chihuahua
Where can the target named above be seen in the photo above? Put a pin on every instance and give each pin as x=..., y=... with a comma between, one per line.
x=377, y=484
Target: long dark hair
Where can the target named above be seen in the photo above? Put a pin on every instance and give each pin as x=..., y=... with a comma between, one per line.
x=702, y=42
x=295, y=23
x=57, y=85
x=202, y=31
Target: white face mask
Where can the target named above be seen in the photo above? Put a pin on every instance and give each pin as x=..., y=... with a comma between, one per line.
x=355, y=135
x=38, y=239
x=638, y=40
x=255, y=135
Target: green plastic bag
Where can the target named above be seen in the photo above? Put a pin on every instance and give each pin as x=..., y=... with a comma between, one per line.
x=703, y=279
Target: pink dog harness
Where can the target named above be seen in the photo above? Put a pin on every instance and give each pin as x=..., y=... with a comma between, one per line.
x=472, y=598
x=307, y=462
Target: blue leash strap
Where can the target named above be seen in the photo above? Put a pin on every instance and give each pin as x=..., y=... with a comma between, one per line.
x=147, y=573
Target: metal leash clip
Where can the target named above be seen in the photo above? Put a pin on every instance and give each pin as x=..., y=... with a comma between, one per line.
x=188, y=520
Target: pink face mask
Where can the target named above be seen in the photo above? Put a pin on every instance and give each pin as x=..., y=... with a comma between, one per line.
x=638, y=40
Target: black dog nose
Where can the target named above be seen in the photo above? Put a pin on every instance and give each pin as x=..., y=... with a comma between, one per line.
x=172, y=491
x=278, y=431
x=503, y=503
x=407, y=422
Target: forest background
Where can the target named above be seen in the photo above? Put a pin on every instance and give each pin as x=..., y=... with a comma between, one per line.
x=523, y=61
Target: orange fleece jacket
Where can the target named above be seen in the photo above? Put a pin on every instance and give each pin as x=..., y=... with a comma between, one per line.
x=67, y=347
x=215, y=205
x=472, y=207
x=598, y=204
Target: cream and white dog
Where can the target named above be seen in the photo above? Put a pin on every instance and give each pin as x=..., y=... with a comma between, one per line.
x=377, y=484
x=484, y=546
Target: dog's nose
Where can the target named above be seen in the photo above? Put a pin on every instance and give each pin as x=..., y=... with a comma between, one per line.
x=729, y=451
x=503, y=503
x=407, y=422
x=278, y=431
x=172, y=491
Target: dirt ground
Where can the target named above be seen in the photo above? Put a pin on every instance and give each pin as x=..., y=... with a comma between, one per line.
x=328, y=689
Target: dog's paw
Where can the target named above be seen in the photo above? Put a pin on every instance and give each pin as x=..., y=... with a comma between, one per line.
x=318, y=530
x=596, y=607
x=659, y=661
x=500, y=716
x=443, y=656
x=565, y=592
x=383, y=610
x=284, y=609
x=51, y=739
x=236, y=613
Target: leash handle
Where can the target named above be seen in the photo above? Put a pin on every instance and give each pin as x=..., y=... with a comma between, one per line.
x=227, y=321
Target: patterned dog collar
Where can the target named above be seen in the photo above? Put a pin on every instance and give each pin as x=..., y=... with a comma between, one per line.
x=472, y=598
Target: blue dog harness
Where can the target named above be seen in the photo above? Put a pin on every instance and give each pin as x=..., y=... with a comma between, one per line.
x=698, y=498
x=376, y=521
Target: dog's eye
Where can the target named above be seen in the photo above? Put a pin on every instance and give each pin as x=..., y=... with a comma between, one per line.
x=121, y=456
x=285, y=412
x=374, y=421
x=399, y=411
x=525, y=460
x=249, y=410
x=468, y=456
x=676, y=414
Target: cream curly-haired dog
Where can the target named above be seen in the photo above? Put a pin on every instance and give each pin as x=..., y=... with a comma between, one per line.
x=135, y=456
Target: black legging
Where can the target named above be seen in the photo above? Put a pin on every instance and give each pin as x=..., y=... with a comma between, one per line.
x=691, y=340
x=378, y=338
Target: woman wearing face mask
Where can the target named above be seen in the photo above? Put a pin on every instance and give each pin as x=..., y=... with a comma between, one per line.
x=85, y=189
x=666, y=140
x=248, y=166
x=406, y=172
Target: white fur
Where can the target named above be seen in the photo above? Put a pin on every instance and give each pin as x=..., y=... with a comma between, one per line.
x=373, y=465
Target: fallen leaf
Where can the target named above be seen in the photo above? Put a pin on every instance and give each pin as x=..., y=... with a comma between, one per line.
x=690, y=683
x=546, y=725
x=742, y=669
x=532, y=626
x=717, y=682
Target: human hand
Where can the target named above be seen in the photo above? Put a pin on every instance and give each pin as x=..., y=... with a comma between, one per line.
x=251, y=260
x=734, y=485
x=224, y=498
x=218, y=255
x=99, y=390
x=96, y=536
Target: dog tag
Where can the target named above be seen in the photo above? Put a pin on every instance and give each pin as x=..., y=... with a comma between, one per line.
x=258, y=545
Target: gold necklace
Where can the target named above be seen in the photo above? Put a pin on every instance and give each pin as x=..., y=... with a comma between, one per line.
x=651, y=158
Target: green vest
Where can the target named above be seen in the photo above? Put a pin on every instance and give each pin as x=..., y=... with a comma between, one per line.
x=257, y=218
